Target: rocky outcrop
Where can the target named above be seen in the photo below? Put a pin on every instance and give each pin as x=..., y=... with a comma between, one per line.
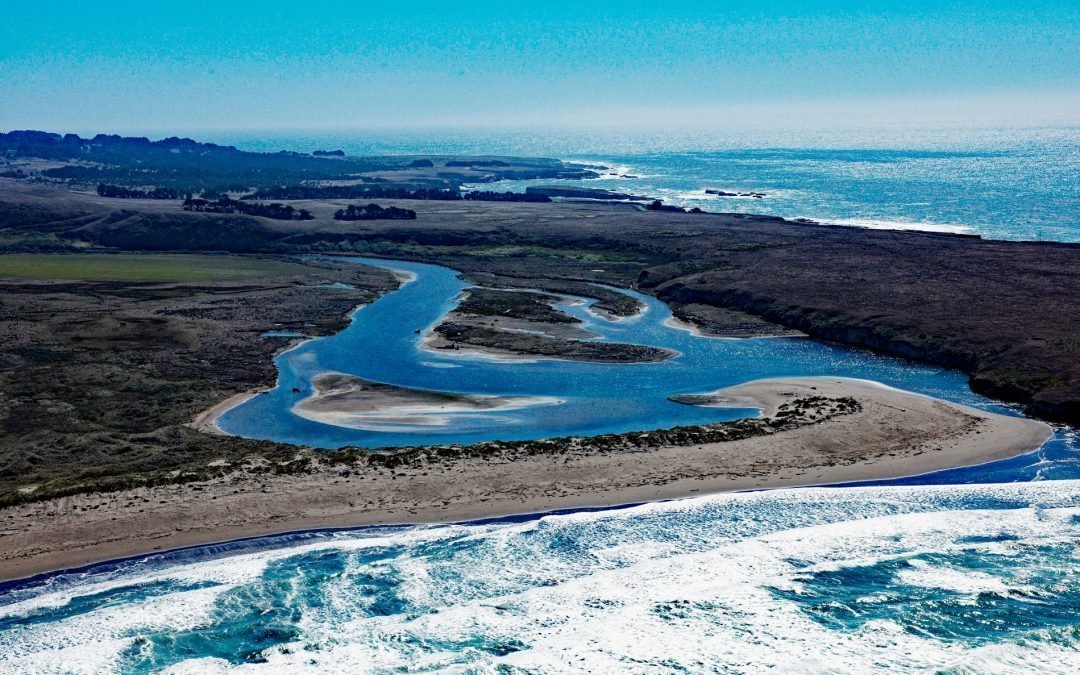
x=721, y=193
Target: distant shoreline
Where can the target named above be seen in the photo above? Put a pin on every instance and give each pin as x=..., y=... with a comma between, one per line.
x=911, y=435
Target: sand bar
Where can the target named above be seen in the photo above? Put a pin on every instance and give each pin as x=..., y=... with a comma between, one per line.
x=353, y=402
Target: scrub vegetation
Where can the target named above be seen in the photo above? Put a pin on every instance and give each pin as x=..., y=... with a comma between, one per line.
x=144, y=267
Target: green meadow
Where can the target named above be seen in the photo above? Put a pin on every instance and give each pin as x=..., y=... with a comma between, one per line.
x=142, y=267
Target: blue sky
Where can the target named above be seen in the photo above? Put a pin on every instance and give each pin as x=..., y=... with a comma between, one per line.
x=166, y=66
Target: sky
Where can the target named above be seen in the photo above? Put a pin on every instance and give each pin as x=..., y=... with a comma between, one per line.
x=245, y=65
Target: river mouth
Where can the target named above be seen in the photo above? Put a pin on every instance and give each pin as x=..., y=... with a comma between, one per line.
x=385, y=343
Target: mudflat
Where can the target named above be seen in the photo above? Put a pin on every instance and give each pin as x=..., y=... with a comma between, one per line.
x=843, y=430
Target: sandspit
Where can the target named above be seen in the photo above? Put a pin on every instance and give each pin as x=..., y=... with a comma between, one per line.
x=888, y=433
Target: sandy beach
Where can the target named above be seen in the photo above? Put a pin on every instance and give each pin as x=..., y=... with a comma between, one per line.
x=207, y=420
x=893, y=434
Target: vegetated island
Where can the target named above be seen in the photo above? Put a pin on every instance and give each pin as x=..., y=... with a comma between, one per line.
x=526, y=324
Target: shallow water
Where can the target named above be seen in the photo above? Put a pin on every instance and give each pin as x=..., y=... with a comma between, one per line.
x=597, y=397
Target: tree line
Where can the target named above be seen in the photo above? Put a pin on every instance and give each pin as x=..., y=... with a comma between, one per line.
x=374, y=212
x=117, y=192
x=226, y=205
x=491, y=196
x=351, y=192
x=386, y=192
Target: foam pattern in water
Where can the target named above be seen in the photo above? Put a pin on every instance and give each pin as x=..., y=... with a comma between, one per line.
x=962, y=579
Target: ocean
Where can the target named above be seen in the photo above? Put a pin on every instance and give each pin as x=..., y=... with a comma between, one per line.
x=957, y=579
x=1021, y=184
x=966, y=571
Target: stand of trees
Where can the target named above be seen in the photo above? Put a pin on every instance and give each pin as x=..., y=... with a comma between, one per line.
x=117, y=192
x=374, y=212
x=491, y=196
x=226, y=205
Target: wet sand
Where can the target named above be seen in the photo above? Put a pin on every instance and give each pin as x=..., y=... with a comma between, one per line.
x=207, y=420
x=894, y=434
x=356, y=403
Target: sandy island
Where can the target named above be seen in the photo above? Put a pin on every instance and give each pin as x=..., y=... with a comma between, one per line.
x=890, y=434
x=353, y=402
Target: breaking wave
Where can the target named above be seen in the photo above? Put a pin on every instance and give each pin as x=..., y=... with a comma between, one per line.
x=961, y=578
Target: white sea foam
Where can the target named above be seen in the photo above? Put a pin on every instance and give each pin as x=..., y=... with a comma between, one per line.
x=100, y=635
x=685, y=584
x=682, y=611
x=879, y=224
x=614, y=170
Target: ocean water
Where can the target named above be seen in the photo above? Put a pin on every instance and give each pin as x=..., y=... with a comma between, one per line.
x=972, y=570
x=959, y=579
x=1011, y=183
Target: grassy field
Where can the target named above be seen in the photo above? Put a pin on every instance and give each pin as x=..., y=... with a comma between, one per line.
x=525, y=251
x=142, y=267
